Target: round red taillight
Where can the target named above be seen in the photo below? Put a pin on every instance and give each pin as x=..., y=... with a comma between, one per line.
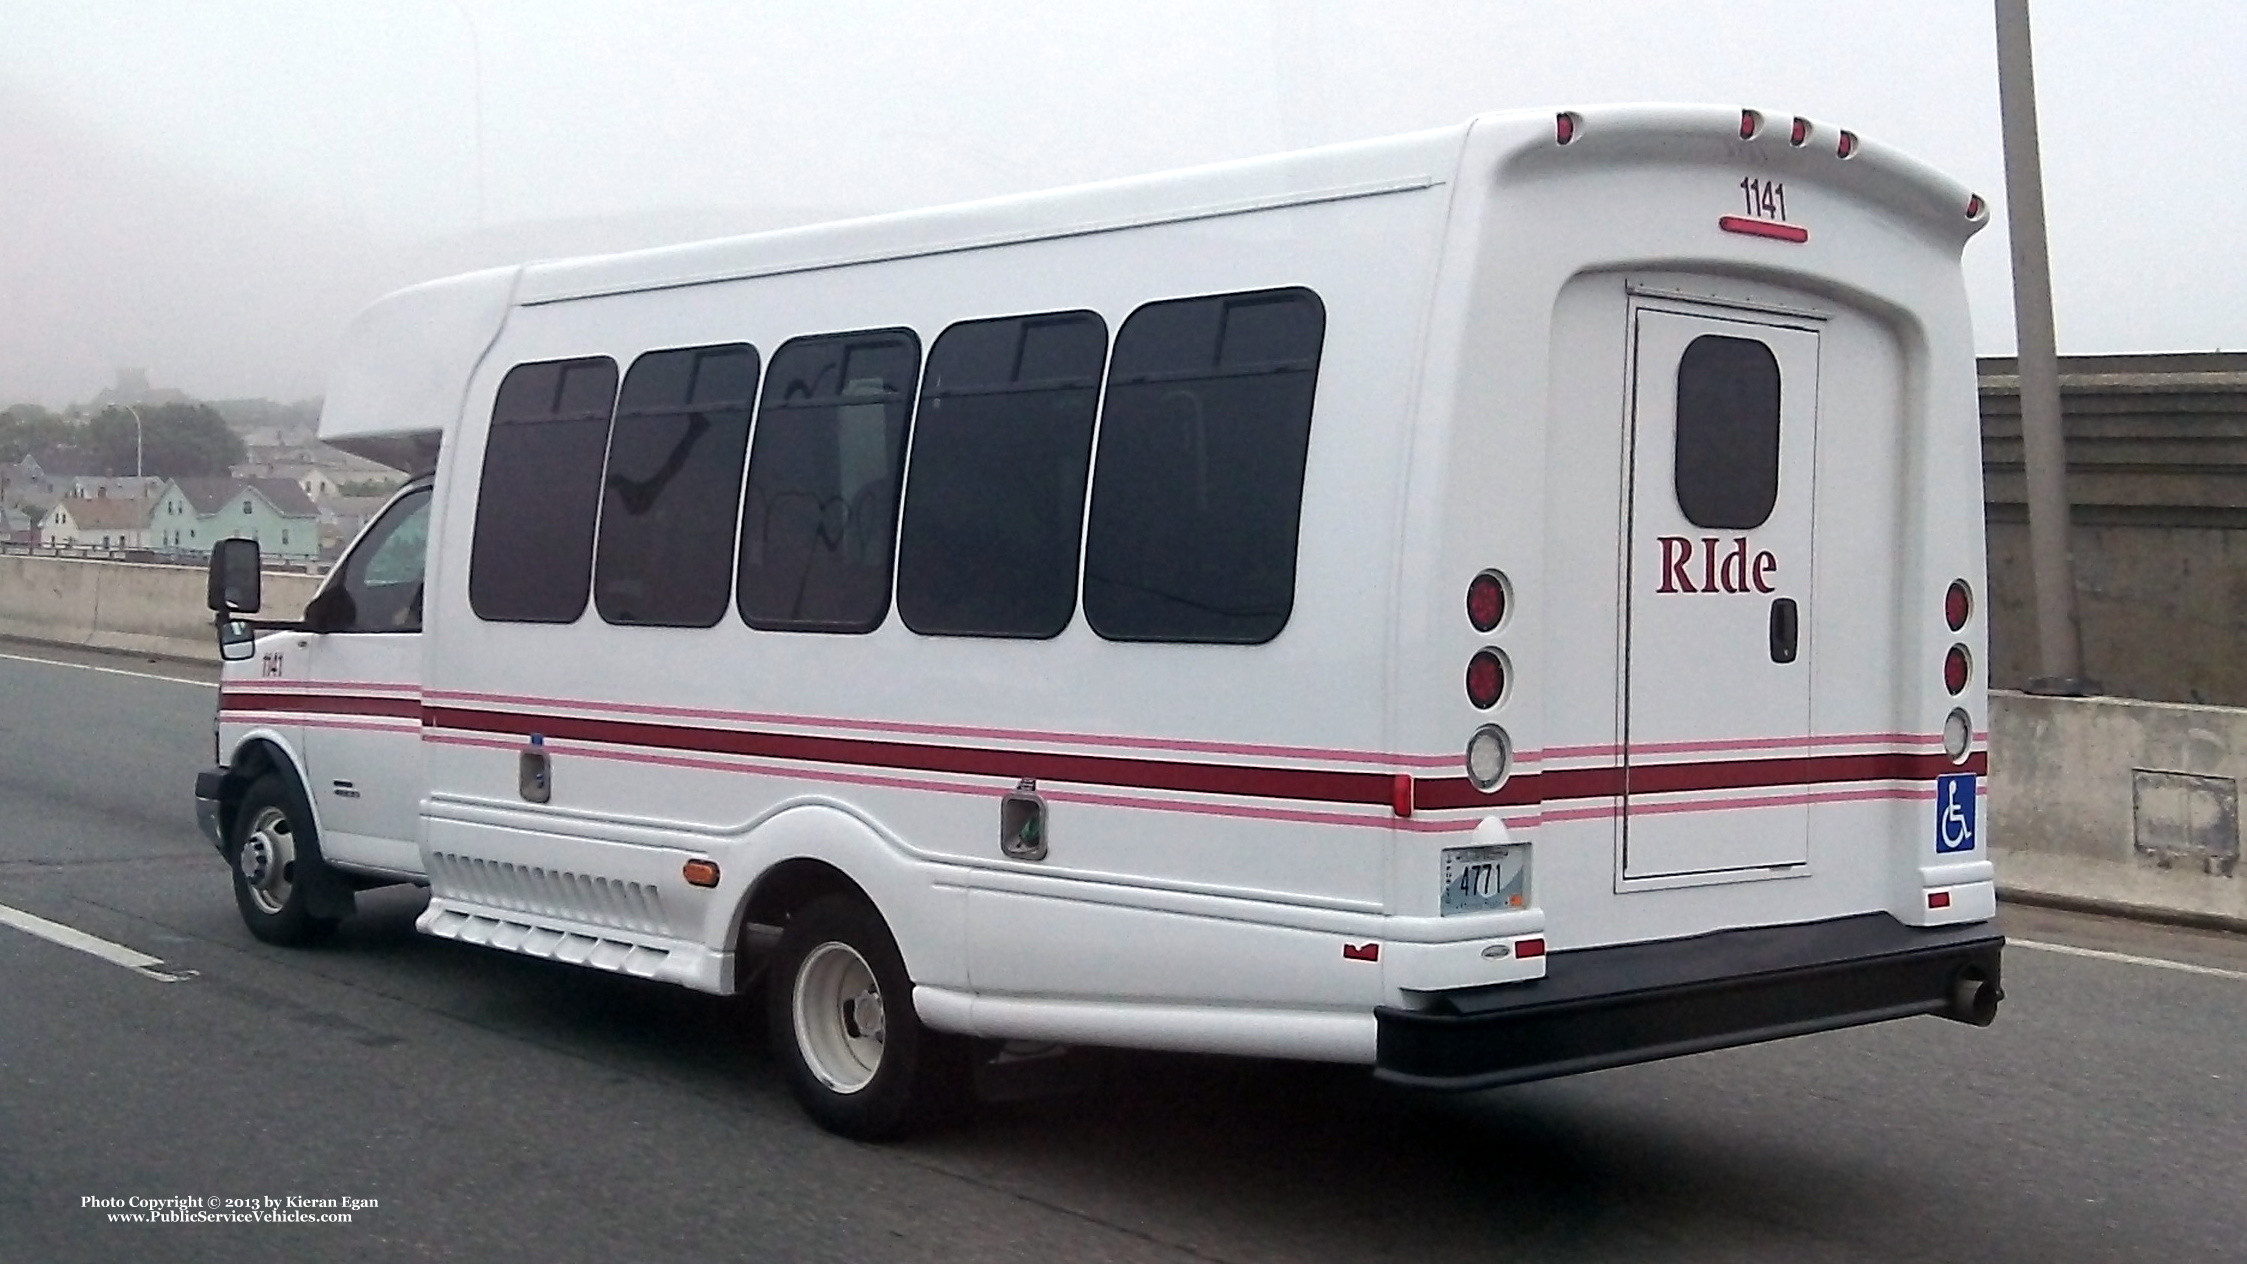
x=1486, y=679
x=1955, y=669
x=1486, y=601
x=1958, y=605
x=1801, y=133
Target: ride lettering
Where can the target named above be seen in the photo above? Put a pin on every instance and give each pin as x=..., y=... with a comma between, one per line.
x=1721, y=568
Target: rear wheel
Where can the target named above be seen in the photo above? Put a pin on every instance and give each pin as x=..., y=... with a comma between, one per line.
x=840, y=1008
x=273, y=854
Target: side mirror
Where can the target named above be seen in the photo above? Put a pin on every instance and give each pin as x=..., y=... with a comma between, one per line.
x=236, y=640
x=235, y=577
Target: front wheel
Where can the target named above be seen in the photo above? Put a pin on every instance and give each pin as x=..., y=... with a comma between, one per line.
x=841, y=1013
x=273, y=854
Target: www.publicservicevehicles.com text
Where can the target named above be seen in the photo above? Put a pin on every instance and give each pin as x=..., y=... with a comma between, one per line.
x=257, y=1209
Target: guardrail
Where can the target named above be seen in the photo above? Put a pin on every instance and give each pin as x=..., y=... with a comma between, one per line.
x=156, y=557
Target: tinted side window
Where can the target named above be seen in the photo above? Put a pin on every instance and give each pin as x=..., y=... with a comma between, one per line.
x=1197, y=489
x=820, y=517
x=665, y=555
x=1727, y=432
x=532, y=558
x=1000, y=449
x=383, y=574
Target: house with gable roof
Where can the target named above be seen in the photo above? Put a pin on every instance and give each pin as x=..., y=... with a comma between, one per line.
x=97, y=522
x=192, y=514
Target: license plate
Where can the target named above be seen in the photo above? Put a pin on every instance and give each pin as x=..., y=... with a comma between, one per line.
x=1485, y=879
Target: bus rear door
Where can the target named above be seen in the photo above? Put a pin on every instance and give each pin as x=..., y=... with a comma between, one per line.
x=1716, y=711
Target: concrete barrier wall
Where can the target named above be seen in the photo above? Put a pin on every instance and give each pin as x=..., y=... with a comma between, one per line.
x=2157, y=477
x=129, y=606
x=2127, y=806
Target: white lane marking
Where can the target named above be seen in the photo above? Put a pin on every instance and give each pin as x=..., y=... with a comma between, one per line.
x=2158, y=963
x=70, y=937
x=109, y=671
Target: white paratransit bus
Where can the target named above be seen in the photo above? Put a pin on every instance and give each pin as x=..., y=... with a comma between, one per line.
x=1485, y=604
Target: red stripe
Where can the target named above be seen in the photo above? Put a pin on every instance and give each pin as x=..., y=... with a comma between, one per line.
x=1723, y=774
x=1100, y=770
x=319, y=703
x=1299, y=784
x=1763, y=228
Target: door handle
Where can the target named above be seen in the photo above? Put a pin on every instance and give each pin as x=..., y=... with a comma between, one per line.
x=1785, y=626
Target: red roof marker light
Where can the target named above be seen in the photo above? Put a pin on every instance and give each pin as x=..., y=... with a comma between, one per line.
x=1750, y=123
x=1801, y=133
x=1565, y=124
x=1847, y=148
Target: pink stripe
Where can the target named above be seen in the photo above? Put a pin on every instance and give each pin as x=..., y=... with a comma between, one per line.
x=1423, y=825
x=799, y=773
x=1607, y=811
x=404, y=728
x=321, y=686
x=1611, y=750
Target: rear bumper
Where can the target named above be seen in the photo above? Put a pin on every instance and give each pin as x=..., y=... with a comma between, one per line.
x=1608, y=1007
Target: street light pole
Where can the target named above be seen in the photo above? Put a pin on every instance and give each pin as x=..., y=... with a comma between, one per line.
x=2059, y=643
x=137, y=438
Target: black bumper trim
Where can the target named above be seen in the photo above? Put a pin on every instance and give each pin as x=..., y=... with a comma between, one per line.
x=209, y=786
x=1610, y=1007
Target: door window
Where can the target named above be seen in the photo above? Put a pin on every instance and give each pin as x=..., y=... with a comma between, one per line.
x=382, y=577
x=1727, y=470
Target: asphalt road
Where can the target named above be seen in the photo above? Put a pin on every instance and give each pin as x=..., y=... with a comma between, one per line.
x=498, y=1108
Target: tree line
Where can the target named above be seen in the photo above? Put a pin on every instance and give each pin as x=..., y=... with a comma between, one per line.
x=174, y=440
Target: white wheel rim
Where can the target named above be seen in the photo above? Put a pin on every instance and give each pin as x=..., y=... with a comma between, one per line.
x=267, y=861
x=839, y=1017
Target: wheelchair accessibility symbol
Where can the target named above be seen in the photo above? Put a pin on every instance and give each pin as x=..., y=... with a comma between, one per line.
x=1954, y=813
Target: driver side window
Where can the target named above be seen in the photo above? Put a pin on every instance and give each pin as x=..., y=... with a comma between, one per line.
x=382, y=577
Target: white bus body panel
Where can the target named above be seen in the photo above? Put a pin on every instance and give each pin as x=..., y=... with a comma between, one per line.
x=1231, y=865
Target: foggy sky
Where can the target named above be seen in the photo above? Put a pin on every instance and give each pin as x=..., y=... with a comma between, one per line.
x=210, y=191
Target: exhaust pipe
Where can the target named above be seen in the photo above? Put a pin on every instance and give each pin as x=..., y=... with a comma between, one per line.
x=1973, y=998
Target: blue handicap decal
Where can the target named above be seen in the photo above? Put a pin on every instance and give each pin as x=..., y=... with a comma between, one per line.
x=1954, y=813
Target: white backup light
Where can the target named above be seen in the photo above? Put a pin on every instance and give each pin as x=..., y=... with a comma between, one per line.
x=1489, y=756
x=1958, y=734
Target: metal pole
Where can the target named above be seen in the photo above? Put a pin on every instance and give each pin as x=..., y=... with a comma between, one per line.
x=2059, y=644
x=138, y=436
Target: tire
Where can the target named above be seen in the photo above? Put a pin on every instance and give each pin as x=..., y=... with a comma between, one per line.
x=271, y=851
x=840, y=1009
